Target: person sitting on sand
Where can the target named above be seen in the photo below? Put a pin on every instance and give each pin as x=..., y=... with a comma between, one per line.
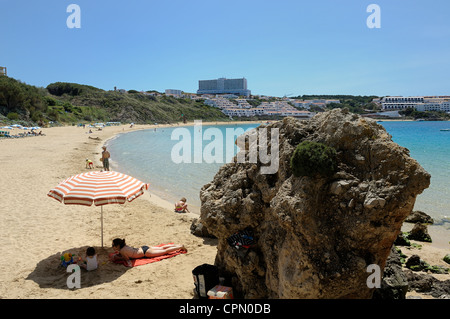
x=90, y=262
x=126, y=252
x=181, y=206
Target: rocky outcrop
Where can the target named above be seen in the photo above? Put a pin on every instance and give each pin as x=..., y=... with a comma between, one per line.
x=394, y=284
x=397, y=281
x=199, y=230
x=315, y=236
x=425, y=283
x=447, y=258
x=415, y=263
x=420, y=233
x=418, y=216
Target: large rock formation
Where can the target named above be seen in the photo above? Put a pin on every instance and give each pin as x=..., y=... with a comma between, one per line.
x=315, y=236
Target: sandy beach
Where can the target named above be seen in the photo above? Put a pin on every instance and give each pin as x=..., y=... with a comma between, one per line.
x=36, y=229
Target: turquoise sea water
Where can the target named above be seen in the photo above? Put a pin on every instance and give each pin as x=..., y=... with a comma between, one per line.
x=431, y=148
x=147, y=155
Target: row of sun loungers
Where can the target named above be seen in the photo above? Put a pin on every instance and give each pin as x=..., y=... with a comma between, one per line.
x=6, y=134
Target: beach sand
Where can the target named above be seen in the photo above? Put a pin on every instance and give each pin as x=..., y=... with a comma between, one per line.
x=36, y=229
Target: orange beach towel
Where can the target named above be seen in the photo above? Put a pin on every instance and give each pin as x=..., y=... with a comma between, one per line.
x=146, y=260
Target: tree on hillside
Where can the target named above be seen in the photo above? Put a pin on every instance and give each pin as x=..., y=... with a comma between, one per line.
x=20, y=98
x=11, y=94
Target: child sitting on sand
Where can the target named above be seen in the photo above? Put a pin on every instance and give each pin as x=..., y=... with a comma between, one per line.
x=91, y=262
x=181, y=206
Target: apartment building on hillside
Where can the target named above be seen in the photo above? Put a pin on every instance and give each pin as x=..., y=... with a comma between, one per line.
x=419, y=103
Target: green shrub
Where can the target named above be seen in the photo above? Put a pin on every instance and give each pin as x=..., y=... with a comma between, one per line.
x=53, y=115
x=73, y=89
x=50, y=101
x=67, y=107
x=311, y=158
x=36, y=116
x=13, y=116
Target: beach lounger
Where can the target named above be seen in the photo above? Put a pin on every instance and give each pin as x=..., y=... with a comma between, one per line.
x=4, y=134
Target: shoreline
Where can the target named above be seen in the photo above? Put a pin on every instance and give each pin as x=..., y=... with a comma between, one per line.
x=437, y=232
x=31, y=219
x=32, y=166
x=152, y=196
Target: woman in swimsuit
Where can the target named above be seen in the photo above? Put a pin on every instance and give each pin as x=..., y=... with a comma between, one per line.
x=126, y=252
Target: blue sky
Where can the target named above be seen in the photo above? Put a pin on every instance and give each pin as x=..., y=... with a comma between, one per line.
x=281, y=46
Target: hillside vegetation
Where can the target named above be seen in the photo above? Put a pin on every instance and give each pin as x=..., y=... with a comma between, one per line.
x=76, y=103
x=72, y=103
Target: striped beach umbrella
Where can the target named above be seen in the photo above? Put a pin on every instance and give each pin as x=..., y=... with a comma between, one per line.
x=98, y=188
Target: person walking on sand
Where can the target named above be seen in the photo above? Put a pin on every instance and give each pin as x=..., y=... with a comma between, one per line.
x=105, y=159
x=126, y=253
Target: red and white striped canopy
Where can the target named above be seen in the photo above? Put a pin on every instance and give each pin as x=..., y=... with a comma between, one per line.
x=100, y=188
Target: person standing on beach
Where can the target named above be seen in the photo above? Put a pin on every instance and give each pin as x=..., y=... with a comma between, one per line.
x=105, y=158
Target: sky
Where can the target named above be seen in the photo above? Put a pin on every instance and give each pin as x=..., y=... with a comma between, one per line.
x=282, y=47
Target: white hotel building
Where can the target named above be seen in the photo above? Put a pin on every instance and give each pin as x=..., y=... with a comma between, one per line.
x=224, y=86
x=400, y=102
x=175, y=93
x=419, y=103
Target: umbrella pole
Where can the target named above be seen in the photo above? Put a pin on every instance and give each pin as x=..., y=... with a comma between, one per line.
x=102, y=224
